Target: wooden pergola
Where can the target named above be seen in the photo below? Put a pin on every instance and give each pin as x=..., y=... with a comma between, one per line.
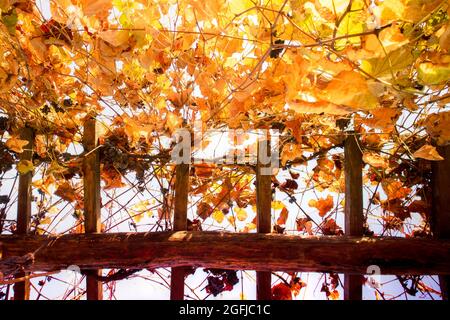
x=263, y=251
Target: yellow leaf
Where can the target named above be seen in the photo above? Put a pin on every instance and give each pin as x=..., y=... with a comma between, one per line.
x=433, y=74
x=15, y=144
x=250, y=226
x=239, y=6
x=141, y=206
x=45, y=221
x=25, y=166
x=218, y=216
x=338, y=6
x=138, y=217
x=115, y=37
x=277, y=205
x=350, y=89
x=241, y=214
x=173, y=122
x=386, y=64
x=428, y=152
x=407, y=10
x=231, y=220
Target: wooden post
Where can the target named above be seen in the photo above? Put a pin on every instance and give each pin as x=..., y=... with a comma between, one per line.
x=92, y=199
x=354, y=218
x=263, y=212
x=180, y=224
x=22, y=289
x=440, y=222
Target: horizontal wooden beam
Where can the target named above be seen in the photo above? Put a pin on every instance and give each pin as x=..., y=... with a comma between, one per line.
x=261, y=252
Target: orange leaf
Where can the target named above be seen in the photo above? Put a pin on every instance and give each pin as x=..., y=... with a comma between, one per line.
x=323, y=205
x=350, y=89
x=15, y=144
x=334, y=295
x=428, y=152
x=304, y=224
x=112, y=178
x=330, y=228
x=283, y=216
x=375, y=160
x=66, y=192
x=394, y=189
x=281, y=291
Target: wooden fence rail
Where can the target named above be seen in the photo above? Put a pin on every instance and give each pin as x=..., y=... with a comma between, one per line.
x=238, y=251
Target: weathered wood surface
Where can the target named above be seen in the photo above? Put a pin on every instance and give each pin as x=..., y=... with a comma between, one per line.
x=91, y=178
x=92, y=200
x=263, y=213
x=261, y=252
x=354, y=218
x=440, y=222
x=24, y=192
x=180, y=224
x=22, y=289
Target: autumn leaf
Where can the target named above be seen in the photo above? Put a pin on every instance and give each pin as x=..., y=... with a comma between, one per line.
x=304, y=224
x=96, y=7
x=394, y=189
x=112, y=178
x=25, y=166
x=296, y=285
x=281, y=291
x=349, y=88
x=334, y=295
x=218, y=216
x=289, y=184
x=15, y=144
x=115, y=37
x=438, y=127
x=329, y=227
x=204, y=210
x=277, y=205
x=66, y=192
x=428, y=152
x=433, y=74
x=241, y=214
x=375, y=160
x=282, y=218
x=324, y=205
x=45, y=221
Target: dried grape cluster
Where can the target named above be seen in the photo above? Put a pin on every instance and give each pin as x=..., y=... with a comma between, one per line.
x=220, y=280
x=115, y=154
